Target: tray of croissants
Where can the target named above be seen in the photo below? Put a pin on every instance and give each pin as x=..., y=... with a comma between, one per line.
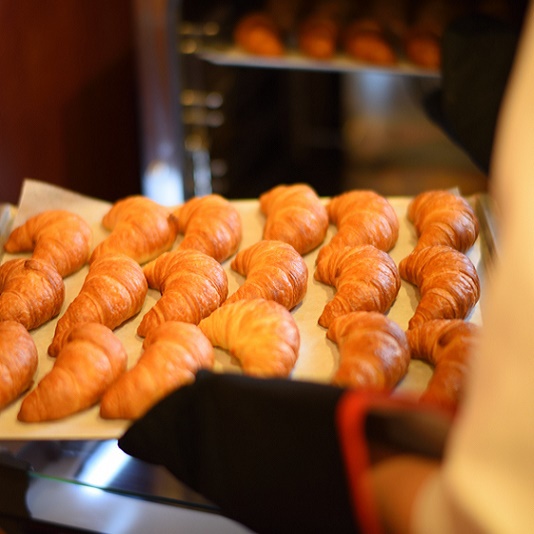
x=404, y=35
x=107, y=307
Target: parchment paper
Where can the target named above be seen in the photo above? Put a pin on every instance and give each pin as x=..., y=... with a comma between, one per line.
x=317, y=358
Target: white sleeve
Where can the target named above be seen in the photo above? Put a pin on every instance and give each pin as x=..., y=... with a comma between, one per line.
x=487, y=483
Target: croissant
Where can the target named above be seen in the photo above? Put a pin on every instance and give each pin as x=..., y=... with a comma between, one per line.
x=140, y=228
x=447, y=344
x=31, y=292
x=365, y=278
x=58, y=237
x=429, y=20
x=373, y=349
x=260, y=333
x=362, y=218
x=366, y=40
x=192, y=285
x=113, y=291
x=257, y=34
x=443, y=218
x=173, y=353
x=274, y=270
x=210, y=224
x=448, y=283
x=296, y=215
x=89, y=362
x=18, y=361
x=318, y=36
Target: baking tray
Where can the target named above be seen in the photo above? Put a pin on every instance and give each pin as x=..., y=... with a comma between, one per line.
x=318, y=356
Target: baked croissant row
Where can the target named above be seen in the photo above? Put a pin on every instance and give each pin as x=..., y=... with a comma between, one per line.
x=140, y=228
x=31, y=292
x=58, y=237
x=91, y=359
x=18, y=361
x=260, y=333
x=373, y=350
x=443, y=218
x=448, y=283
x=210, y=224
x=365, y=278
x=173, y=353
x=113, y=291
x=295, y=215
x=274, y=270
x=362, y=218
x=192, y=285
x=448, y=345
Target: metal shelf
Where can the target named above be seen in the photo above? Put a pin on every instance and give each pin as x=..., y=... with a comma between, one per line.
x=226, y=55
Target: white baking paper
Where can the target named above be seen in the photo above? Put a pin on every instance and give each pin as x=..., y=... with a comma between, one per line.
x=317, y=358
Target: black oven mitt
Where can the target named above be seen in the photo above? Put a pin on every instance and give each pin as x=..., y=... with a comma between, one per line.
x=276, y=454
x=265, y=451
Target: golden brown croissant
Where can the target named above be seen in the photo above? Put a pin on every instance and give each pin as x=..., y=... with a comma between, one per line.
x=366, y=40
x=31, y=292
x=296, y=215
x=274, y=270
x=448, y=283
x=257, y=34
x=140, y=228
x=58, y=237
x=89, y=362
x=173, y=353
x=365, y=278
x=260, y=333
x=113, y=291
x=362, y=218
x=443, y=218
x=210, y=224
x=192, y=285
x=423, y=39
x=373, y=349
x=18, y=361
x=447, y=344
x=318, y=36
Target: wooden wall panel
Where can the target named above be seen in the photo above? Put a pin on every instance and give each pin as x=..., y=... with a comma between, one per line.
x=68, y=106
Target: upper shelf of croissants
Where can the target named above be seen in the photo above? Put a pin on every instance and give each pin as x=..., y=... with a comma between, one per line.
x=397, y=36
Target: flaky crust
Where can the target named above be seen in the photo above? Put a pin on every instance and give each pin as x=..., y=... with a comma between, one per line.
x=210, y=224
x=31, y=292
x=274, y=270
x=58, y=237
x=113, y=291
x=443, y=218
x=365, y=278
x=448, y=283
x=447, y=344
x=140, y=228
x=295, y=215
x=373, y=349
x=91, y=359
x=192, y=285
x=173, y=353
x=18, y=361
x=362, y=218
x=260, y=333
